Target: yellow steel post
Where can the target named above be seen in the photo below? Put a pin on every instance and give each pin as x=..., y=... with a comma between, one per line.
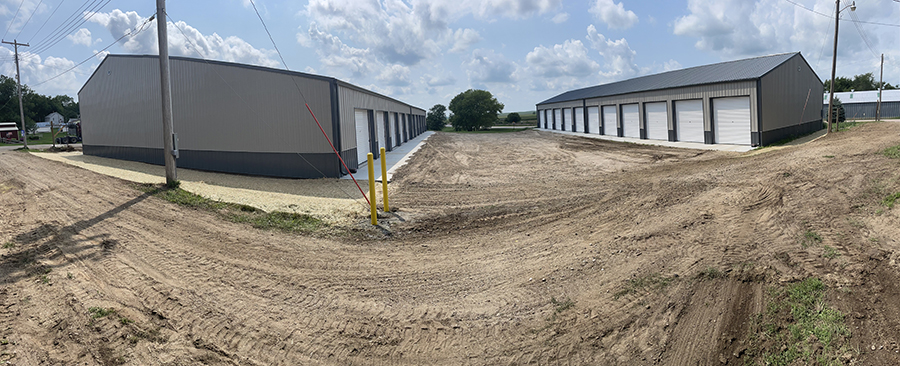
x=384, y=190
x=372, y=189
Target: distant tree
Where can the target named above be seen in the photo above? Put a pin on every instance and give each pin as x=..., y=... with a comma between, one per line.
x=838, y=109
x=513, y=118
x=858, y=83
x=436, y=117
x=474, y=109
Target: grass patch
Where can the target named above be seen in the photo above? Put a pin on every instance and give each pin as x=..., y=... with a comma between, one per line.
x=810, y=238
x=890, y=200
x=653, y=281
x=829, y=156
x=97, y=312
x=830, y=253
x=710, y=273
x=45, y=138
x=284, y=221
x=848, y=125
x=798, y=327
x=9, y=245
x=563, y=305
x=892, y=152
x=492, y=130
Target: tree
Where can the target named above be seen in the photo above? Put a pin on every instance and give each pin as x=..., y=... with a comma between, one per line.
x=859, y=83
x=513, y=118
x=436, y=117
x=36, y=106
x=474, y=109
x=838, y=109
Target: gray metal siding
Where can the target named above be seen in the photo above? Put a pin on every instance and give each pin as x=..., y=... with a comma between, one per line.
x=216, y=106
x=351, y=98
x=791, y=95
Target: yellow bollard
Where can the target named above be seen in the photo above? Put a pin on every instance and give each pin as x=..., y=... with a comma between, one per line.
x=384, y=190
x=372, y=190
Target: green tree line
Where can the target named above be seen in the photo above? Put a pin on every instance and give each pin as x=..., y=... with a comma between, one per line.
x=36, y=106
x=858, y=82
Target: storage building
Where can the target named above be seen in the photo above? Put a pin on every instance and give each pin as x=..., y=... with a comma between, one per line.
x=238, y=118
x=863, y=104
x=754, y=102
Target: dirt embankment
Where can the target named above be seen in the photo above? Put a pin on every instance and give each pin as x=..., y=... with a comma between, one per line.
x=518, y=248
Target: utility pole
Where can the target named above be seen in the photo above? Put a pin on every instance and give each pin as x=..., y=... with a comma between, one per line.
x=880, y=89
x=831, y=114
x=165, y=87
x=19, y=90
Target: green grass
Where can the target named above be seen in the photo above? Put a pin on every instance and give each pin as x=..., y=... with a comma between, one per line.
x=653, y=281
x=892, y=152
x=46, y=138
x=710, y=273
x=97, y=312
x=563, y=305
x=9, y=245
x=890, y=200
x=830, y=252
x=848, y=125
x=798, y=327
x=276, y=220
x=810, y=238
x=493, y=130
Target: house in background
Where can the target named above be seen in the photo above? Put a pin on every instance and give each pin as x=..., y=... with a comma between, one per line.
x=9, y=131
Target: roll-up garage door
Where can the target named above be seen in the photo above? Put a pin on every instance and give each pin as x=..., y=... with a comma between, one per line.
x=547, y=124
x=557, y=122
x=362, y=135
x=379, y=124
x=631, y=122
x=579, y=119
x=610, y=121
x=689, y=120
x=594, y=120
x=657, y=122
x=541, y=119
x=731, y=118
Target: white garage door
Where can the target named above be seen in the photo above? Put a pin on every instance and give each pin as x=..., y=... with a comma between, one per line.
x=379, y=124
x=579, y=119
x=657, y=122
x=631, y=123
x=393, y=129
x=362, y=135
x=731, y=117
x=541, y=119
x=594, y=120
x=557, y=122
x=610, y=121
x=689, y=120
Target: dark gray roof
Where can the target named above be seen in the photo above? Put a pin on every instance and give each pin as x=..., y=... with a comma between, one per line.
x=747, y=69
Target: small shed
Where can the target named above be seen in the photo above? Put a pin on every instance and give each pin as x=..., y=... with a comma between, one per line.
x=9, y=131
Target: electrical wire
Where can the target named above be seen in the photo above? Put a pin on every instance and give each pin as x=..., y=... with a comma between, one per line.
x=134, y=33
x=60, y=27
x=252, y=108
x=46, y=20
x=40, y=49
x=831, y=15
x=862, y=34
x=13, y=20
x=29, y=18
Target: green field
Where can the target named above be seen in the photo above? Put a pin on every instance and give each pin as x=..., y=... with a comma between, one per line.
x=46, y=138
x=528, y=117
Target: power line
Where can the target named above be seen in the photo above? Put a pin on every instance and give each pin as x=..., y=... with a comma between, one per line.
x=101, y=51
x=65, y=22
x=862, y=34
x=29, y=17
x=46, y=20
x=13, y=20
x=829, y=15
x=63, y=35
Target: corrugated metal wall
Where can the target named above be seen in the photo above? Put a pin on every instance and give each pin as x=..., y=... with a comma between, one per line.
x=350, y=98
x=790, y=95
x=867, y=110
x=216, y=107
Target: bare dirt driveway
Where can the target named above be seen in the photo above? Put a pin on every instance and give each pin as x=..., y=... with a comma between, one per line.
x=516, y=248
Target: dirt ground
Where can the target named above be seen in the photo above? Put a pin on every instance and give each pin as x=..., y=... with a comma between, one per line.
x=511, y=249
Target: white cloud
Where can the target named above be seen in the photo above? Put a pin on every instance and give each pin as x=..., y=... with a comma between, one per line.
x=336, y=55
x=395, y=75
x=618, y=55
x=189, y=43
x=440, y=80
x=8, y=9
x=672, y=65
x=35, y=70
x=614, y=15
x=568, y=59
x=560, y=18
x=463, y=39
x=82, y=37
x=487, y=66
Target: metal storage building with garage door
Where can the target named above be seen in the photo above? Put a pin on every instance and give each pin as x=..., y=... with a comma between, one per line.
x=237, y=118
x=755, y=101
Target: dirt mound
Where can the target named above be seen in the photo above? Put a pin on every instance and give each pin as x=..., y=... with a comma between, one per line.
x=527, y=247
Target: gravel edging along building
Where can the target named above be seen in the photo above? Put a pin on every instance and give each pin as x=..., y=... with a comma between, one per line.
x=238, y=118
x=755, y=101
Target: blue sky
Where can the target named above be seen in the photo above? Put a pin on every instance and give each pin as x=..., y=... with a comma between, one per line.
x=425, y=52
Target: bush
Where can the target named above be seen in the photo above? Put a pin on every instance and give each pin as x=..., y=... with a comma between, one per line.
x=513, y=118
x=474, y=110
x=436, y=117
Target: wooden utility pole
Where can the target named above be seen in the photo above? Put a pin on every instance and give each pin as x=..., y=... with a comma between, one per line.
x=831, y=114
x=19, y=90
x=880, y=89
x=165, y=87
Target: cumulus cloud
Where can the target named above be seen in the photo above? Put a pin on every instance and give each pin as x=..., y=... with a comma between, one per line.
x=439, y=80
x=463, y=39
x=487, y=66
x=82, y=37
x=567, y=59
x=35, y=69
x=560, y=18
x=618, y=55
x=8, y=10
x=336, y=55
x=184, y=40
x=614, y=15
x=395, y=75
